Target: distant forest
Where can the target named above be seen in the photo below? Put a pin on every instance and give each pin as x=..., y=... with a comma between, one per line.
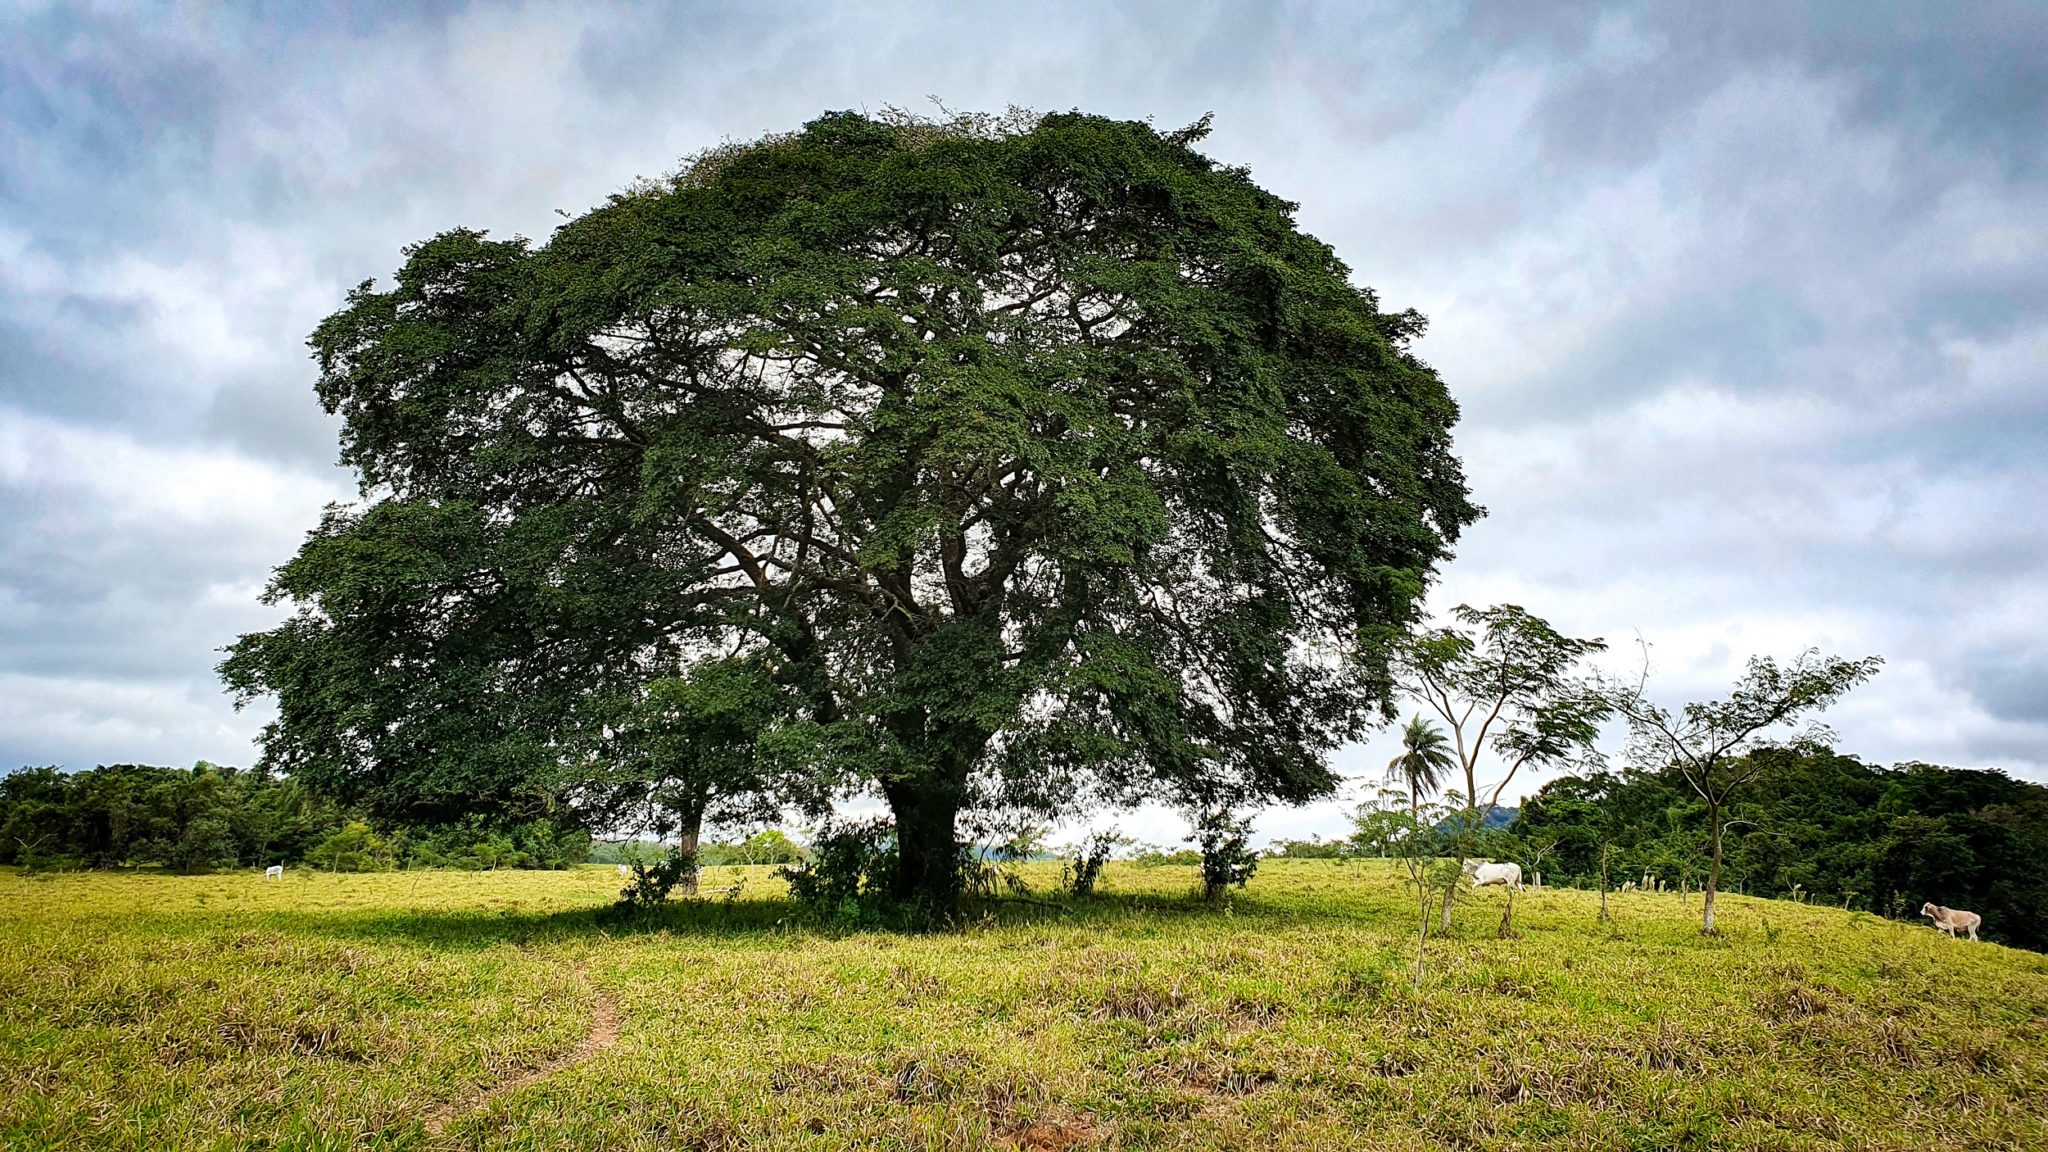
x=1825, y=827
x=210, y=817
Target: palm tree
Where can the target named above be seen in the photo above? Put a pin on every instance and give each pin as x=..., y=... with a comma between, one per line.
x=1424, y=764
x=1425, y=761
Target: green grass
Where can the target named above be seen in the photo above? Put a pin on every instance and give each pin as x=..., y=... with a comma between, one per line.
x=422, y=1010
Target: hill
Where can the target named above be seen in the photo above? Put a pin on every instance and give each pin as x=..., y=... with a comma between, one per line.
x=1841, y=831
x=502, y=1010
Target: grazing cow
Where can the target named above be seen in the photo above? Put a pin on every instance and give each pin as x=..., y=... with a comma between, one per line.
x=625, y=869
x=1509, y=874
x=274, y=872
x=1950, y=919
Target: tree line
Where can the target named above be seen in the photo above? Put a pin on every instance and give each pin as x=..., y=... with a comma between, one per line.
x=210, y=817
x=1815, y=825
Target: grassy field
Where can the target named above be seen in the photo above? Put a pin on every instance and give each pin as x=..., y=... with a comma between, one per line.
x=467, y=1010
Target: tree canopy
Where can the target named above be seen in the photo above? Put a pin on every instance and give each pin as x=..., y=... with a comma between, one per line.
x=1033, y=459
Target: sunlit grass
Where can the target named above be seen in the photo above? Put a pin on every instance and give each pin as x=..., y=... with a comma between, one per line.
x=326, y=1011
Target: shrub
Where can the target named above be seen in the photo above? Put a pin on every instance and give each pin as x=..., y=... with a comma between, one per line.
x=769, y=846
x=635, y=852
x=846, y=877
x=1090, y=855
x=1313, y=848
x=476, y=845
x=356, y=848
x=1227, y=858
x=1154, y=856
x=650, y=884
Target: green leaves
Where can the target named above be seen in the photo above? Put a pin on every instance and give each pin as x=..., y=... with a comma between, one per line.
x=1504, y=679
x=1709, y=742
x=1017, y=447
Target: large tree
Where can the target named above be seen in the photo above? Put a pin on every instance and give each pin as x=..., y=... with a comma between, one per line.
x=1037, y=459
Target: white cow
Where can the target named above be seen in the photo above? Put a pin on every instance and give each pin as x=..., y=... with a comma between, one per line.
x=1950, y=919
x=625, y=869
x=274, y=872
x=1509, y=874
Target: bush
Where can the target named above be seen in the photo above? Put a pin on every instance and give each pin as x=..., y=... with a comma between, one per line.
x=356, y=848
x=1090, y=855
x=845, y=880
x=633, y=852
x=650, y=884
x=477, y=846
x=770, y=846
x=1227, y=858
x=1154, y=856
x=1313, y=848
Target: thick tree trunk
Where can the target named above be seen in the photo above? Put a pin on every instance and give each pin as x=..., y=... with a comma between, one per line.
x=688, y=834
x=927, y=847
x=1714, y=872
x=687, y=841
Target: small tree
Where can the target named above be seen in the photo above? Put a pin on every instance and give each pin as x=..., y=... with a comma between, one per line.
x=356, y=848
x=1080, y=873
x=1415, y=838
x=1709, y=744
x=1504, y=680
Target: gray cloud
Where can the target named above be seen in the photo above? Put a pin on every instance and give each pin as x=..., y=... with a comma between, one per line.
x=1747, y=305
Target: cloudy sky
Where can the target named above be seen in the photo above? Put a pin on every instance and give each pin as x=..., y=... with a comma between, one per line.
x=1747, y=305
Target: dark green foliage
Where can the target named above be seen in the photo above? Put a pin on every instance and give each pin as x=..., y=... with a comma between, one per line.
x=208, y=817
x=845, y=878
x=121, y=815
x=769, y=846
x=1887, y=840
x=472, y=844
x=1081, y=873
x=354, y=847
x=1227, y=857
x=641, y=851
x=1033, y=461
x=649, y=884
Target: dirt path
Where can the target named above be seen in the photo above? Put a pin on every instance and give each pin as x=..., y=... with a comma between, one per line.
x=603, y=1033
